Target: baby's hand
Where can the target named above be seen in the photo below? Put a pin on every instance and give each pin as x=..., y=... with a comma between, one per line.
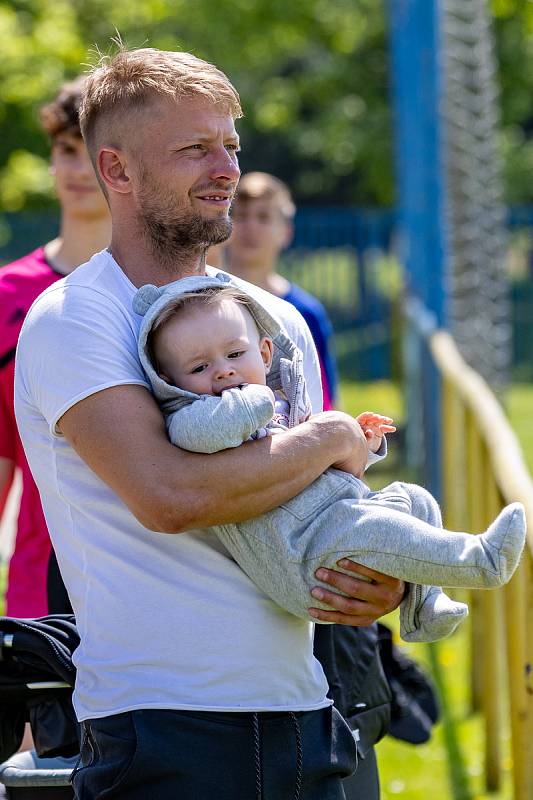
x=375, y=426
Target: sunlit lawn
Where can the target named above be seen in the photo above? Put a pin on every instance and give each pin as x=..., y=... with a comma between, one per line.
x=450, y=766
x=519, y=406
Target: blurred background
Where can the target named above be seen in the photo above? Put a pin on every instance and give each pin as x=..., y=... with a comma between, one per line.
x=404, y=129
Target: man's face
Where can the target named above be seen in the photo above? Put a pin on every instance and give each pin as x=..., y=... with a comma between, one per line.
x=206, y=349
x=76, y=186
x=260, y=233
x=186, y=173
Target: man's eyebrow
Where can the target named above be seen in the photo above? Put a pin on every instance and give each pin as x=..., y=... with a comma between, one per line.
x=201, y=137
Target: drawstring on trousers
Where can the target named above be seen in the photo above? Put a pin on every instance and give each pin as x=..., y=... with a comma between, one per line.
x=257, y=757
x=299, y=756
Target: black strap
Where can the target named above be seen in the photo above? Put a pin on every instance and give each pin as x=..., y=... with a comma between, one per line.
x=7, y=357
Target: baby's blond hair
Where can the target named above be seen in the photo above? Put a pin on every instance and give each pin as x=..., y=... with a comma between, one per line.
x=189, y=300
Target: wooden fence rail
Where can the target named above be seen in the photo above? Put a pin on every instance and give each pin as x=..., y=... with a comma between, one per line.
x=483, y=469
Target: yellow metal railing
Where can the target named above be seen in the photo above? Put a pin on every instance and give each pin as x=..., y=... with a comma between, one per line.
x=483, y=469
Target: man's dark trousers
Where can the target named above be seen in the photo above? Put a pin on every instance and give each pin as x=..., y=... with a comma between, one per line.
x=185, y=755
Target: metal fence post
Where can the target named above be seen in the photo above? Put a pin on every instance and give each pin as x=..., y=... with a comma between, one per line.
x=416, y=78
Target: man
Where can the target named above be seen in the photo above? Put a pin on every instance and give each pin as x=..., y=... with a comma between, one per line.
x=85, y=227
x=263, y=226
x=175, y=640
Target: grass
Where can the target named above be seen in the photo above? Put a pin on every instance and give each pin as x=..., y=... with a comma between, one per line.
x=450, y=766
x=519, y=407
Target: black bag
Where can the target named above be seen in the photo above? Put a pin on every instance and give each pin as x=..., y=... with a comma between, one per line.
x=358, y=687
x=414, y=706
x=36, y=680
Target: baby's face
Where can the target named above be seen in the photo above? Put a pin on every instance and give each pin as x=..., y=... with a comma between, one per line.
x=206, y=349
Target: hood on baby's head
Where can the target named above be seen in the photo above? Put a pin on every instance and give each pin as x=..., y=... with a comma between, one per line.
x=150, y=300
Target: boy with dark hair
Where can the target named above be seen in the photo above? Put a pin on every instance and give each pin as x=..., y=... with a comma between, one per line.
x=84, y=229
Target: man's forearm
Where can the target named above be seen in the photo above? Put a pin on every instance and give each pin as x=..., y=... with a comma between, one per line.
x=121, y=436
x=235, y=485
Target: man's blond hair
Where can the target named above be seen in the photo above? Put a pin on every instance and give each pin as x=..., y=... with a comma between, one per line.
x=130, y=79
x=262, y=186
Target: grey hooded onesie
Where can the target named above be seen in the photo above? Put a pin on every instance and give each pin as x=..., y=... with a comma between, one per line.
x=397, y=530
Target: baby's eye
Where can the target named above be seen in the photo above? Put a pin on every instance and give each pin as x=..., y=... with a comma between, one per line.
x=199, y=368
x=236, y=354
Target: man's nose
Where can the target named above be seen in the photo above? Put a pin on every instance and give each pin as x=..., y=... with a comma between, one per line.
x=225, y=166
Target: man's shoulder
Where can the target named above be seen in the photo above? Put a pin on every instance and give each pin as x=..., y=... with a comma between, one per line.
x=97, y=282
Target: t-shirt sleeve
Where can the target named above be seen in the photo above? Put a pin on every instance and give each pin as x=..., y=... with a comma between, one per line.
x=76, y=341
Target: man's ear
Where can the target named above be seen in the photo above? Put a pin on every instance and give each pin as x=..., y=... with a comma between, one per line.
x=113, y=169
x=267, y=349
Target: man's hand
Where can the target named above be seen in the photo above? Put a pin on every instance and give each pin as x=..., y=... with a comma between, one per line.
x=366, y=601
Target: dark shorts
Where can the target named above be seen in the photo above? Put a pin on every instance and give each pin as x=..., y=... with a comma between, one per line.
x=185, y=755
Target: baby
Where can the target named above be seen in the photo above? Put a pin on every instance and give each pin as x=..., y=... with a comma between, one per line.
x=209, y=350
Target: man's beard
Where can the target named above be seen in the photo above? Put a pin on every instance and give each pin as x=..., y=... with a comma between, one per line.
x=171, y=233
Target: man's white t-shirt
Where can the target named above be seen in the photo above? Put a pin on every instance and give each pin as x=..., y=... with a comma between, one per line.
x=166, y=621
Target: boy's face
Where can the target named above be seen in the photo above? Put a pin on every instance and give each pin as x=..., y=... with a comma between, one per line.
x=76, y=186
x=206, y=349
x=260, y=233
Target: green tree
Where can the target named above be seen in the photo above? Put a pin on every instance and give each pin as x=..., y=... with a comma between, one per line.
x=513, y=25
x=312, y=75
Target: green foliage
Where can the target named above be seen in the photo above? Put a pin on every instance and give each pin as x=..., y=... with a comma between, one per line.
x=513, y=25
x=313, y=75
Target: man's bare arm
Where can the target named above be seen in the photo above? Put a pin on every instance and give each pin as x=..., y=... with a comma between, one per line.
x=120, y=434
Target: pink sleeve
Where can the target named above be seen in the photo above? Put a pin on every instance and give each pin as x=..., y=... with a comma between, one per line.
x=328, y=406
x=7, y=419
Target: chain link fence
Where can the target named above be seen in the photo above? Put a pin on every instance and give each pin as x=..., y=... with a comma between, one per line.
x=478, y=291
